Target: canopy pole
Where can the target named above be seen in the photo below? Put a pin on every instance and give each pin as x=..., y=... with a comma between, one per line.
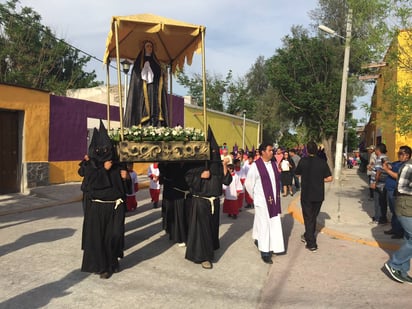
x=119, y=80
x=170, y=94
x=204, y=83
x=108, y=95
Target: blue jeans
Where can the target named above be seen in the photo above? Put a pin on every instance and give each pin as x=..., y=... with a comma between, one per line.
x=396, y=226
x=401, y=259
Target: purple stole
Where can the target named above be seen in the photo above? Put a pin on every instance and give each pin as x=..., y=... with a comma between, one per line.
x=272, y=204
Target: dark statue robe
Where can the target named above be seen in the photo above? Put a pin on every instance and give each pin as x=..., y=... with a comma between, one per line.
x=147, y=102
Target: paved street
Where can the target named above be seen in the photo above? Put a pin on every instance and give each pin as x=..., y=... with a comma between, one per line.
x=40, y=257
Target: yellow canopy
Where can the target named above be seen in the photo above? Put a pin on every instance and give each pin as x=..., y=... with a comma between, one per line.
x=174, y=41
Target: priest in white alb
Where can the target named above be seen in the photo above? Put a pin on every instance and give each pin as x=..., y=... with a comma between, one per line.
x=263, y=185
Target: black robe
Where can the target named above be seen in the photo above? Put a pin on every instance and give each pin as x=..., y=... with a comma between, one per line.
x=103, y=225
x=175, y=209
x=203, y=234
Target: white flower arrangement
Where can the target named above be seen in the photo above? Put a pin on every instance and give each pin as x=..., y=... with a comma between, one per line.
x=138, y=134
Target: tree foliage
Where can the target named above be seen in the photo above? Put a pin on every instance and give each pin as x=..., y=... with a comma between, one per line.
x=31, y=55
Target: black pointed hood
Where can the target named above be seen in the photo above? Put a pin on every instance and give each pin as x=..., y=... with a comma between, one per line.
x=214, y=147
x=101, y=148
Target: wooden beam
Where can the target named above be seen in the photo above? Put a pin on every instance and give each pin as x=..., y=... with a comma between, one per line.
x=367, y=77
x=373, y=65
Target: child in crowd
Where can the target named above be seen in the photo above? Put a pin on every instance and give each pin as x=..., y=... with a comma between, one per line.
x=131, y=202
x=231, y=192
x=154, y=187
x=242, y=176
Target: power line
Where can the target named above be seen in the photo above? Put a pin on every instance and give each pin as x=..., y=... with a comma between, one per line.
x=43, y=29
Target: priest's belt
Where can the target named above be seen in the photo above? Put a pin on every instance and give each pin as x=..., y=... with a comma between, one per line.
x=116, y=202
x=210, y=199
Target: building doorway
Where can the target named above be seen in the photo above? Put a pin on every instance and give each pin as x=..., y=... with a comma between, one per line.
x=9, y=152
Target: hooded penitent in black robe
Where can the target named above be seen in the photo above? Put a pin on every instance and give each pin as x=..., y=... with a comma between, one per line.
x=147, y=102
x=103, y=225
x=175, y=210
x=203, y=234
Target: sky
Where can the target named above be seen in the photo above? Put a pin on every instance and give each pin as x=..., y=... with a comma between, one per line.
x=237, y=31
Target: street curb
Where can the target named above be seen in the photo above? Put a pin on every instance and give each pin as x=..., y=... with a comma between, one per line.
x=296, y=213
x=46, y=205
x=142, y=185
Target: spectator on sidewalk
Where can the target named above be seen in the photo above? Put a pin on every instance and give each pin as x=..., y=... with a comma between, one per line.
x=370, y=166
x=296, y=158
x=263, y=185
x=392, y=169
x=314, y=172
x=286, y=166
x=399, y=263
x=377, y=183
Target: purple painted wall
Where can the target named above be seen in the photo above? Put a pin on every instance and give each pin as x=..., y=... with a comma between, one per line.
x=68, y=124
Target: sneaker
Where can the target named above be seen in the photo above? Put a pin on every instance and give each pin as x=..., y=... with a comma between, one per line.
x=302, y=239
x=395, y=274
x=374, y=222
x=408, y=279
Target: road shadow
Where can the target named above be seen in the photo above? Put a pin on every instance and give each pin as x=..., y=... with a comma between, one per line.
x=36, y=238
x=41, y=296
x=237, y=229
x=287, y=226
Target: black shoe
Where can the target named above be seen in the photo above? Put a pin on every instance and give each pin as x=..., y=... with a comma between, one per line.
x=389, y=232
x=229, y=215
x=397, y=236
x=312, y=249
x=256, y=243
x=105, y=275
x=302, y=239
x=267, y=259
x=248, y=206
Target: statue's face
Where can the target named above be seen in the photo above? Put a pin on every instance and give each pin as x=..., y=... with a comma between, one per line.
x=148, y=48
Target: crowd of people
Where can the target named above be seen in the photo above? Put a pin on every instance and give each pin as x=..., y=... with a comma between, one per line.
x=190, y=204
x=390, y=186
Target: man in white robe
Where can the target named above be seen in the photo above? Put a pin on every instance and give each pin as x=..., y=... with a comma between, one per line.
x=263, y=185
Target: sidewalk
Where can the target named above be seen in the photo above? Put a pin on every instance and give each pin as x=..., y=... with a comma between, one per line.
x=47, y=196
x=345, y=213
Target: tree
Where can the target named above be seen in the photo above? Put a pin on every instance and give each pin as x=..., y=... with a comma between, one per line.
x=217, y=89
x=376, y=25
x=31, y=55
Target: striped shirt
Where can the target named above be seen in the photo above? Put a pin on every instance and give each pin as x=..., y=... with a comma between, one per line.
x=405, y=179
